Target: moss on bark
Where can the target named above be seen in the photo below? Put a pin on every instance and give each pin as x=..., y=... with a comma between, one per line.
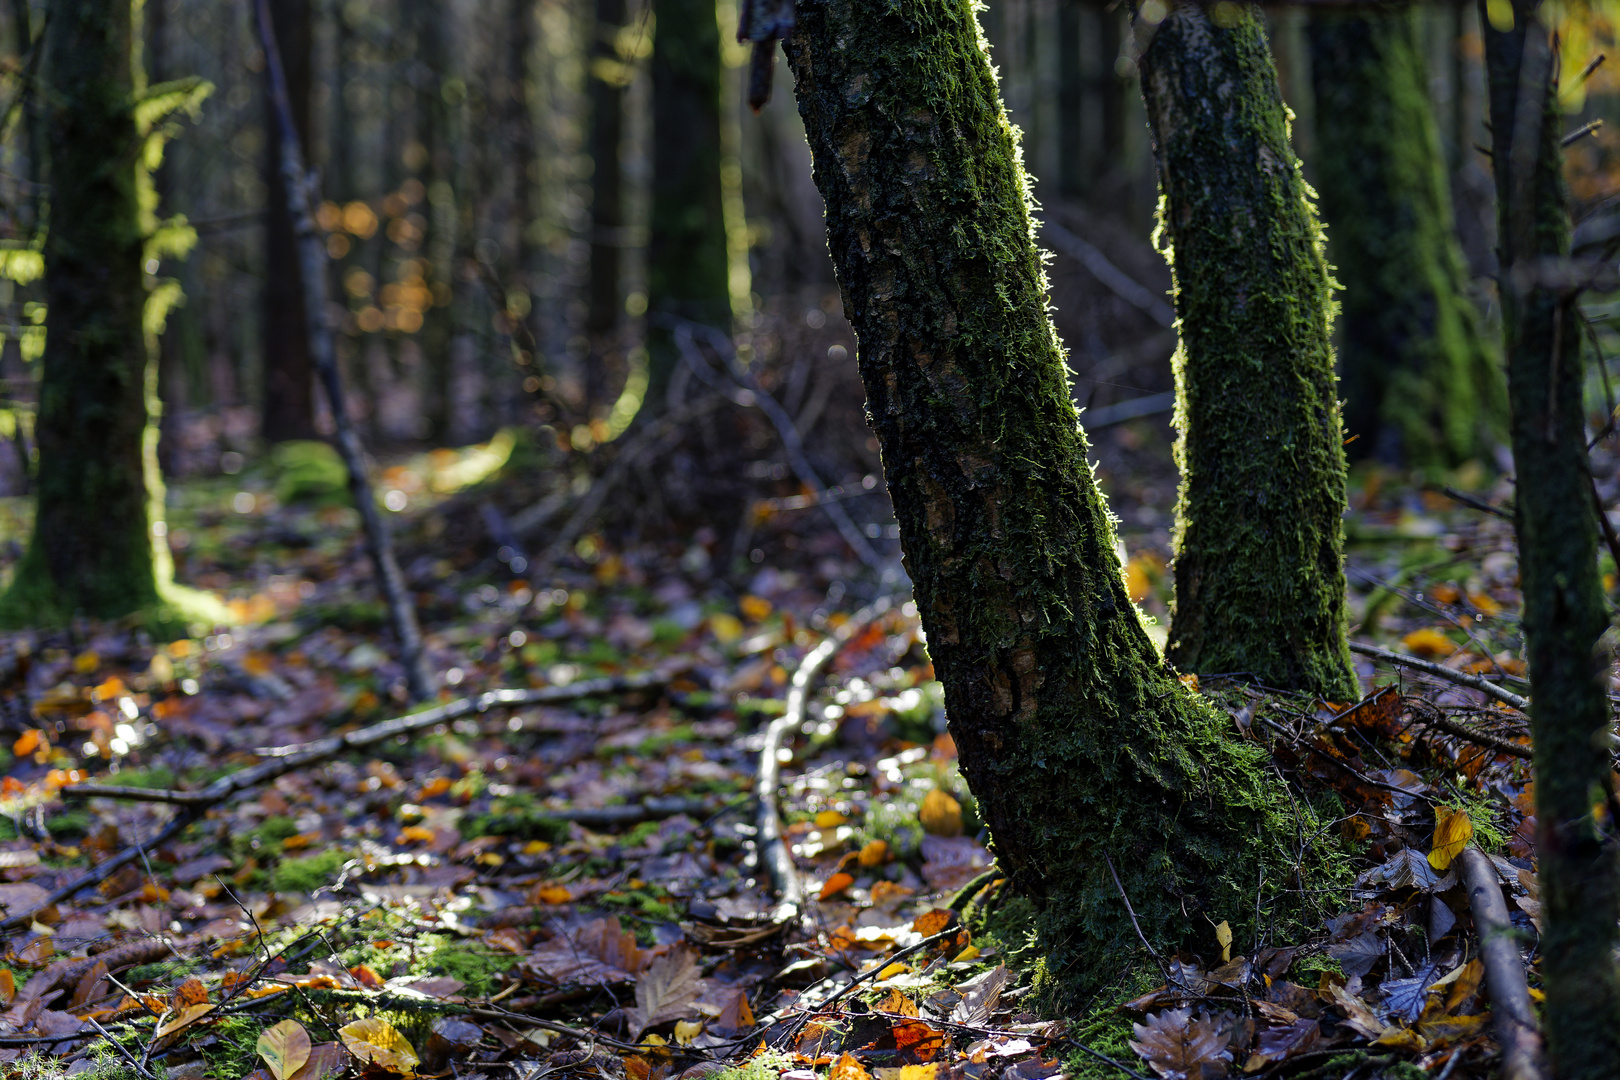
x=1564, y=615
x=1078, y=740
x=1258, y=569
x=687, y=261
x=96, y=549
x=1421, y=385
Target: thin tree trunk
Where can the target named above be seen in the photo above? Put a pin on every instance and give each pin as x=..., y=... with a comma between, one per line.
x=91, y=552
x=430, y=23
x=1079, y=742
x=687, y=263
x=289, y=385
x=33, y=113
x=525, y=164
x=607, y=180
x=311, y=277
x=1564, y=616
x=1258, y=569
x=1421, y=386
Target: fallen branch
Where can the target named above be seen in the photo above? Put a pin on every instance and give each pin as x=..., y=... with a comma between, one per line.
x=1122, y=284
x=774, y=856
x=1461, y=678
x=1435, y=717
x=1516, y=1031
x=193, y=804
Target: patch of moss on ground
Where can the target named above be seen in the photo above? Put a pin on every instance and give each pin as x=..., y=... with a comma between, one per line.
x=307, y=874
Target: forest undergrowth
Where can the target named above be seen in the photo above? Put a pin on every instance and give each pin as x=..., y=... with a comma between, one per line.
x=575, y=882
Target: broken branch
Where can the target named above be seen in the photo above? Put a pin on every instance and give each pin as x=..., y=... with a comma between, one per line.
x=1461, y=678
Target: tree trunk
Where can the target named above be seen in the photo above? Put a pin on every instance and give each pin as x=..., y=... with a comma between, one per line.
x=430, y=23
x=289, y=382
x=1421, y=386
x=1077, y=739
x=687, y=264
x=1258, y=570
x=91, y=552
x=1564, y=616
x=607, y=181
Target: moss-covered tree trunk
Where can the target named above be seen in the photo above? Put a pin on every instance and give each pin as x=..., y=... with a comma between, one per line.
x=289, y=379
x=1079, y=742
x=1420, y=384
x=91, y=552
x=687, y=263
x=1258, y=567
x=1564, y=616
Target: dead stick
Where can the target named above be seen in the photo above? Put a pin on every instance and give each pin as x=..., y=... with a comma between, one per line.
x=773, y=850
x=288, y=758
x=1461, y=678
x=419, y=679
x=1516, y=1031
x=1463, y=731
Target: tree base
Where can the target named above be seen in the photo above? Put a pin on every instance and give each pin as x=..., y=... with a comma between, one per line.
x=34, y=602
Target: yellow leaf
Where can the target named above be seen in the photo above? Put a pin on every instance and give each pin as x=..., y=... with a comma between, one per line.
x=969, y=953
x=726, y=628
x=415, y=834
x=1223, y=938
x=376, y=1041
x=8, y=986
x=554, y=894
x=687, y=1030
x=86, y=662
x=847, y=1067
x=874, y=853
x=893, y=970
x=1401, y=1039
x=27, y=742
x=536, y=847
x=940, y=814
x=830, y=819
x=1428, y=642
x=284, y=1048
x=1452, y=831
x=184, y=1018
x=754, y=608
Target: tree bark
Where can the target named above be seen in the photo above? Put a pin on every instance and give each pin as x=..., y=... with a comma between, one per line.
x=1078, y=740
x=607, y=180
x=687, y=264
x=1258, y=570
x=430, y=23
x=289, y=382
x=1564, y=618
x=91, y=552
x=1421, y=386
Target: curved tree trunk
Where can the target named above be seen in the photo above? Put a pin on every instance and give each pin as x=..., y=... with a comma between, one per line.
x=687, y=262
x=92, y=548
x=1564, y=616
x=1079, y=742
x=1258, y=569
x=1421, y=386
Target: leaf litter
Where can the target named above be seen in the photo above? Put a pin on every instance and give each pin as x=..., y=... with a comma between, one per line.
x=575, y=886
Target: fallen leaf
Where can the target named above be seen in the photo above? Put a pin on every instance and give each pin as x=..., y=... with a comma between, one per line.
x=8, y=986
x=980, y=996
x=1358, y=955
x=1428, y=642
x=1404, y=997
x=1282, y=1043
x=830, y=819
x=1452, y=831
x=940, y=814
x=1223, y=938
x=190, y=992
x=873, y=853
x=376, y=1042
x=835, y=885
x=1360, y=1015
x=666, y=990
x=598, y=952
x=1180, y=1046
x=848, y=1068
x=285, y=1048
x=183, y=1018
x=553, y=894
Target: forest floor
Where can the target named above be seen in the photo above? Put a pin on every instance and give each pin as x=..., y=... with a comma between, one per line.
x=574, y=884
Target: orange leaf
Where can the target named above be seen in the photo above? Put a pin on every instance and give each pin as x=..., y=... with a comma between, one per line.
x=414, y=834
x=836, y=884
x=941, y=815
x=554, y=894
x=847, y=1068
x=27, y=742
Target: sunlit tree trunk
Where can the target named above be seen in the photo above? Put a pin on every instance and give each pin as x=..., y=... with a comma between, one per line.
x=1258, y=567
x=687, y=272
x=1564, y=613
x=91, y=552
x=1421, y=386
x=1078, y=740
x=289, y=381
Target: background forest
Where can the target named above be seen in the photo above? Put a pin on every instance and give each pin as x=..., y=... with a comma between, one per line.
x=455, y=615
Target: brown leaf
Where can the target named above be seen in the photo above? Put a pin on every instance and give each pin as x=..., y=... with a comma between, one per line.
x=918, y=1038
x=1360, y=1015
x=1282, y=1043
x=940, y=814
x=1180, y=1046
x=598, y=952
x=190, y=992
x=91, y=985
x=666, y=990
x=324, y=1059
x=847, y=1068
x=980, y=995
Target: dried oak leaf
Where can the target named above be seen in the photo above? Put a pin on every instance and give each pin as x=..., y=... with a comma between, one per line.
x=1180, y=1046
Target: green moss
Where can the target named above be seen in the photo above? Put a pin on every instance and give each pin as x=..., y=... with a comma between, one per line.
x=307, y=874
x=1421, y=384
x=309, y=471
x=70, y=824
x=1259, y=580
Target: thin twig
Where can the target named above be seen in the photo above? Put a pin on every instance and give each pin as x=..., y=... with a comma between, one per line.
x=1461, y=678
x=1164, y=968
x=123, y=1051
x=772, y=846
x=1476, y=502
